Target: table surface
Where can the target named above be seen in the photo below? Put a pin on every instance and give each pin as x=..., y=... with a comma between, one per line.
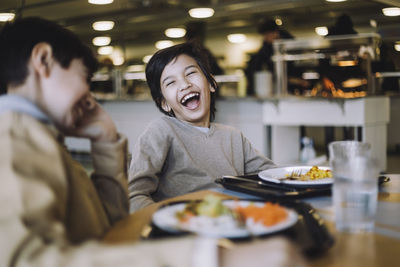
x=379, y=248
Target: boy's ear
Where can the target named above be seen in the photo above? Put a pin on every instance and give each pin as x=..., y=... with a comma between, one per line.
x=42, y=58
x=165, y=106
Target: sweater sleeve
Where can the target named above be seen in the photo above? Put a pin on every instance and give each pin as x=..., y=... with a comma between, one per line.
x=170, y=252
x=253, y=159
x=109, y=176
x=148, y=158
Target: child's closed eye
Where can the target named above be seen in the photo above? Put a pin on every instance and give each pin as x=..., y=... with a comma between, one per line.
x=190, y=73
x=169, y=83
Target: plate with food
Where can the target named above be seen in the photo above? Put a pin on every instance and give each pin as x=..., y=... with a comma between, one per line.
x=214, y=217
x=299, y=175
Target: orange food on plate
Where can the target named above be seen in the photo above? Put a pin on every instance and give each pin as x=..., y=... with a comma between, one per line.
x=269, y=214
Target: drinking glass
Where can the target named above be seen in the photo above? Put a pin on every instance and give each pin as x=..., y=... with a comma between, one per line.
x=355, y=192
x=348, y=149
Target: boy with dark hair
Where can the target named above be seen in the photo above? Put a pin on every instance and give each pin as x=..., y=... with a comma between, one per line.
x=49, y=207
x=184, y=151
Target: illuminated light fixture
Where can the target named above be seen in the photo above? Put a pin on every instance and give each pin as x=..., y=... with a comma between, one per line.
x=118, y=60
x=373, y=23
x=278, y=21
x=347, y=63
x=201, y=12
x=336, y=1
x=310, y=75
x=105, y=50
x=101, y=40
x=175, y=32
x=135, y=68
x=146, y=59
x=6, y=16
x=397, y=46
x=104, y=25
x=323, y=31
x=100, y=2
x=164, y=44
x=391, y=11
x=237, y=38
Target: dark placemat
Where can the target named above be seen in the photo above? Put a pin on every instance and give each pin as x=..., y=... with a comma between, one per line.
x=253, y=185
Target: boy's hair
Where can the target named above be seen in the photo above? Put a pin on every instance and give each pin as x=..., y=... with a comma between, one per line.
x=18, y=38
x=163, y=57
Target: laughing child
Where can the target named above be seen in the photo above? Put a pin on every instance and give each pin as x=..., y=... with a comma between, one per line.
x=184, y=151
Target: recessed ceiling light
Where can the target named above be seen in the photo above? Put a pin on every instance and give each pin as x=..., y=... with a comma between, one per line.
x=323, y=31
x=175, y=32
x=397, y=46
x=105, y=50
x=278, y=21
x=6, y=16
x=373, y=23
x=118, y=60
x=164, y=44
x=100, y=2
x=104, y=25
x=201, y=13
x=391, y=11
x=146, y=59
x=101, y=40
x=237, y=38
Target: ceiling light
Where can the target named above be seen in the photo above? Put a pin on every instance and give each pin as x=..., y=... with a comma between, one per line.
x=6, y=16
x=101, y=40
x=164, y=44
x=175, y=32
x=105, y=50
x=397, y=46
x=278, y=21
x=118, y=60
x=104, y=25
x=391, y=11
x=237, y=38
x=146, y=59
x=100, y=2
x=373, y=23
x=323, y=31
x=201, y=13
x=335, y=1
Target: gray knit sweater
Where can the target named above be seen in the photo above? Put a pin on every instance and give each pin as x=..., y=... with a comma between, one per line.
x=172, y=158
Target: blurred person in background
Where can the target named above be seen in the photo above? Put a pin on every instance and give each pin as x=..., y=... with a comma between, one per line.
x=51, y=212
x=262, y=60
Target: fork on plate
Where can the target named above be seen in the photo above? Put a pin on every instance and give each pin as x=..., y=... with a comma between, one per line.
x=295, y=174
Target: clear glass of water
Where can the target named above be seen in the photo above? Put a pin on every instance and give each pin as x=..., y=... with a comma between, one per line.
x=348, y=149
x=355, y=193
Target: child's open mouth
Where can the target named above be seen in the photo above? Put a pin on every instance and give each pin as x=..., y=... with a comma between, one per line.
x=191, y=100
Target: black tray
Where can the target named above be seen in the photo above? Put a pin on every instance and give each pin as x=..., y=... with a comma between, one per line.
x=310, y=232
x=253, y=185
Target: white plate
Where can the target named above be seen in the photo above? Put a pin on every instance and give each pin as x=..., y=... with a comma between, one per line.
x=221, y=227
x=271, y=175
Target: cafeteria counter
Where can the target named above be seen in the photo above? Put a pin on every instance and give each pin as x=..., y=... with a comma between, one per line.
x=272, y=125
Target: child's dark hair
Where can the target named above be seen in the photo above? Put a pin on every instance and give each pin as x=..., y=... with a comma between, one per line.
x=18, y=38
x=163, y=57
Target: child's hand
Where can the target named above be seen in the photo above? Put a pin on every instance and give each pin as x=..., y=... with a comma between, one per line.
x=94, y=123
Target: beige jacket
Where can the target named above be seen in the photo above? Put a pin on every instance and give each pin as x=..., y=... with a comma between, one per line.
x=49, y=206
